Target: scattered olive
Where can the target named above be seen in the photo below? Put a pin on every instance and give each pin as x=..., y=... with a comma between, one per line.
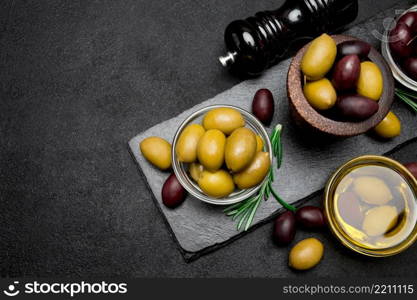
x=210, y=150
x=372, y=190
x=310, y=217
x=224, y=119
x=157, y=151
x=173, y=193
x=358, y=48
x=263, y=106
x=255, y=172
x=186, y=148
x=284, y=228
x=306, y=254
x=356, y=107
x=379, y=220
x=319, y=57
x=399, y=39
x=370, y=82
x=412, y=167
x=216, y=184
x=240, y=149
x=320, y=94
x=389, y=127
x=346, y=73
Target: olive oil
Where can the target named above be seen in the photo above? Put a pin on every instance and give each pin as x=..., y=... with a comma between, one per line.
x=374, y=206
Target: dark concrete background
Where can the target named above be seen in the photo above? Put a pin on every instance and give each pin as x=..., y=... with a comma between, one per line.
x=78, y=79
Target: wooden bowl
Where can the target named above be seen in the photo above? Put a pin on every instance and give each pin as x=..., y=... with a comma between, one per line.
x=307, y=117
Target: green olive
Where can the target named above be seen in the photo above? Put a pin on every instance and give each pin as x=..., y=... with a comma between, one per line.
x=389, y=127
x=259, y=143
x=195, y=170
x=224, y=119
x=379, y=220
x=320, y=94
x=157, y=151
x=210, y=150
x=319, y=57
x=240, y=149
x=372, y=190
x=216, y=184
x=370, y=82
x=306, y=254
x=254, y=173
x=186, y=148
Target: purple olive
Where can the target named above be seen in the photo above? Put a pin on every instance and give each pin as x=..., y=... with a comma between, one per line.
x=412, y=167
x=263, y=106
x=346, y=73
x=356, y=107
x=284, y=228
x=410, y=67
x=409, y=19
x=359, y=48
x=173, y=194
x=310, y=217
x=350, y=209
x=399, y=40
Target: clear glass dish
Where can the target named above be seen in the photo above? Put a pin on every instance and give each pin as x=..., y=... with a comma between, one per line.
x=181, y=169
x=397, y=72
x=389, y=243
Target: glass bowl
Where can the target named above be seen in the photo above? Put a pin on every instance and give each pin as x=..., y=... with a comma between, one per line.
x=397, y=72
x=180, y=169
x=398, y=237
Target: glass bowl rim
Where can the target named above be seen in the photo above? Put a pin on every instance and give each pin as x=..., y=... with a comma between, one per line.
x=397, y=72
x=192, y=189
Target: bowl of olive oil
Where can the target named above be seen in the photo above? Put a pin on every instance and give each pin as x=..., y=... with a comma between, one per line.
x=371, y=206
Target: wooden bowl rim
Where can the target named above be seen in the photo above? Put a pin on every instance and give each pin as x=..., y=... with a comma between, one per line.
x=324, y=124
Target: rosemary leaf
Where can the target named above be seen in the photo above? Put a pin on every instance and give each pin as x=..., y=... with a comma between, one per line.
x=407, y=97
x=252, y=214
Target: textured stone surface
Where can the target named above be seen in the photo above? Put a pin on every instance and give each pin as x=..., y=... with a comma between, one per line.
x=308, y=160
x=79, y=78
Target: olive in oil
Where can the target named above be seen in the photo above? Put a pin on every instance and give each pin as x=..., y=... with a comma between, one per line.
x=374, y=206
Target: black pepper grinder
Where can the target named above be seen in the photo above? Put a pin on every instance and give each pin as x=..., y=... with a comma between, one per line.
x=260, y=41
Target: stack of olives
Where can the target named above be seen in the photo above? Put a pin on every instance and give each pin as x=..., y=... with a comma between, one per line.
x=222, y=153
x=402, y=43
x=341, y=77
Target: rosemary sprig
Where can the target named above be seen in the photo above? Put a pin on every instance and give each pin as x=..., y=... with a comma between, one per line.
x=408, y=98
x=245, y=211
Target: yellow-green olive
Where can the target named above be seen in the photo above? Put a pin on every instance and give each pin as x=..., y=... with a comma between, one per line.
x=306, y=254
x=240, y=149
x=195, y=170
x=210, y=150
x=389, y=127
x=319, y=57
x=372, y=190
x=224, y=119
x=186, y=148
x=379, y=220
x=157, y=151
x=254, y=173
x=320, y=94
x=259, y=143
x=216, y=184
x=370, y=82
